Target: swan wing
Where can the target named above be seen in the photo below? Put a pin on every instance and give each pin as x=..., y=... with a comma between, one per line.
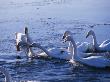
x=60, y=53
x=96, y=61
x=21, y=37
x=83, y=47
x=78, y=43
x=105, y=42
x=105, y=47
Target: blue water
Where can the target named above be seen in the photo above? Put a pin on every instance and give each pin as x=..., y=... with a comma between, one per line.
x=47, y=20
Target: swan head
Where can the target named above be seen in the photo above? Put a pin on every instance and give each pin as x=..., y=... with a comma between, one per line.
x=67, y=38
x=66, y=34
x=26, y=30
x=91, y=32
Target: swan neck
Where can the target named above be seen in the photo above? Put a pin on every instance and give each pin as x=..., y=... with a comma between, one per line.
x=26, y=31
x=27, y=34
x=74, y=48
x=94, y=40
x=70, y=48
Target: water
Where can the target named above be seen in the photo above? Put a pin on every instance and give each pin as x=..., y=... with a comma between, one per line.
x=47, y=20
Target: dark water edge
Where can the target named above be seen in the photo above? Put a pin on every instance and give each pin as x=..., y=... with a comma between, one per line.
x=47, y=20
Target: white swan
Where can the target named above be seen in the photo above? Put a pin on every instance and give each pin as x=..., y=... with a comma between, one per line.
x=104, y=47
x=83, y=47
x=95, y=61
x=22, y=41
x=7, y=75
x=59, y=53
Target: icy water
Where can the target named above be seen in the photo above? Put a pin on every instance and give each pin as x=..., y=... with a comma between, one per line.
x=47, y=20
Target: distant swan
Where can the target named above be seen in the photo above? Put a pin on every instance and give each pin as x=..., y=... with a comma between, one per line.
x=6, y=74
x=104, y=47
x=94, y=61
x=22, y=41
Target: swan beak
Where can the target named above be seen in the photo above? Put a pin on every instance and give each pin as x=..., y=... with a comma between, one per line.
x=87, y=35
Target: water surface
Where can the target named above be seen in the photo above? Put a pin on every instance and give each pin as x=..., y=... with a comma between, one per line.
x=47, y=20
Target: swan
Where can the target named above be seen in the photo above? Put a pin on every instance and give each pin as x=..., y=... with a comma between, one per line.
x=83, y=47
x=93, y=61
x=7, y=75
x=58, y=53
x=22, y=42
x=104, y=47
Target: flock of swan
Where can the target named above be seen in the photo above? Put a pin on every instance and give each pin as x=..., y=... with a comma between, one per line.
x=93, y=55
x=86, y=53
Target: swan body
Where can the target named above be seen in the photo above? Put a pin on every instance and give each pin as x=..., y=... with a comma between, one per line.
x=7, y=75
x=104, y=47
x=58, y=53
x=94, y=61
